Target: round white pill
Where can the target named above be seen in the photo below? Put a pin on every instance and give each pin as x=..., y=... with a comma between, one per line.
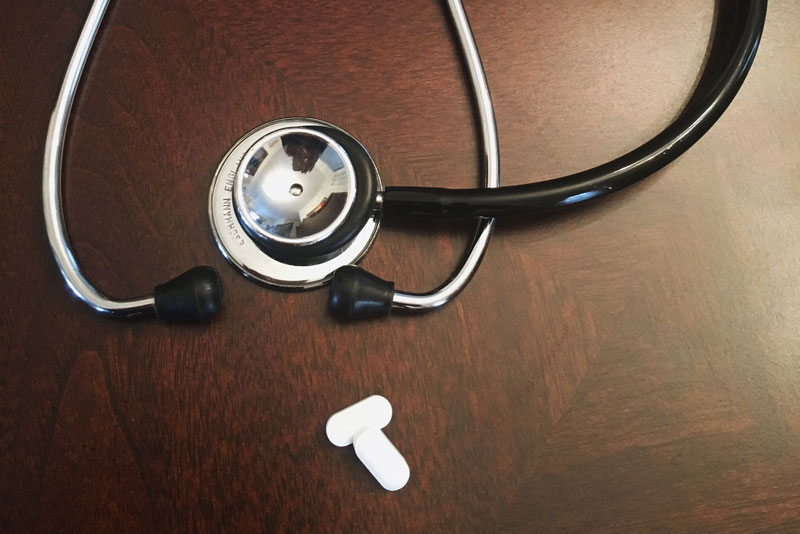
x=372, y=412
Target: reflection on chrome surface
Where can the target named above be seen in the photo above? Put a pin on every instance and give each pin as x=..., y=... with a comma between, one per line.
x=294, y=186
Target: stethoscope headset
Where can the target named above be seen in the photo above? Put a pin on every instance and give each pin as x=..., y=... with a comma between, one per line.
x=296, y=203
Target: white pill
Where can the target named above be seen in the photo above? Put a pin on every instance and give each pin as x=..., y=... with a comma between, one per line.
x=382, y=459
x=372, y=412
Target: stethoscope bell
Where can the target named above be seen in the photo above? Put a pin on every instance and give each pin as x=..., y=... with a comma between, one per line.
x=293, y=201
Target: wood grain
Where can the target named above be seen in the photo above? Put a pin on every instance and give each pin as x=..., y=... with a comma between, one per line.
x=631, y=366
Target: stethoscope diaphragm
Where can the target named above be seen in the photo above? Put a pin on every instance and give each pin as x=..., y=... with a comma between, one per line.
x=293, y=201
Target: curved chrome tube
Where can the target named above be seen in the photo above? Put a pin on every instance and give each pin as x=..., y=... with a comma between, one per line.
x=491, y=171
x=51, y=183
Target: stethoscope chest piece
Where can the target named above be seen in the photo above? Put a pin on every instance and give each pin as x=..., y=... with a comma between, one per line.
x=293, y=201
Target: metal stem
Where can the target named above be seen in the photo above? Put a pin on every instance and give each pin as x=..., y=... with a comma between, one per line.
x=491, y=172
x=51, y=182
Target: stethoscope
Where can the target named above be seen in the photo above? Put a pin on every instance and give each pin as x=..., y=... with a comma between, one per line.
x=296, y=203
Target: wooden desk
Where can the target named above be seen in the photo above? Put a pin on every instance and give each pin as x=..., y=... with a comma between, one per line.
x=631, y=366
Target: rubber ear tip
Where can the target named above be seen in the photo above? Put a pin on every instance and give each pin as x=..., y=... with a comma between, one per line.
x=356, y=294
x=194, y=297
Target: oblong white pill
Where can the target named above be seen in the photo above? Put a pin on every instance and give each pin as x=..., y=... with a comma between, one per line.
x=344, y=425
x=382, y=458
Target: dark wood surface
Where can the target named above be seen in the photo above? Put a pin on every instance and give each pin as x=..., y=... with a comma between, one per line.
x=630, y=366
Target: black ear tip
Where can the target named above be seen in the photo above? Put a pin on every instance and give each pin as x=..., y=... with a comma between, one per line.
x=357, y=294
x=195, y=296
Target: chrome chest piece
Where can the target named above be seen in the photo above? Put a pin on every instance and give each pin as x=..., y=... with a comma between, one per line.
x=293, y=201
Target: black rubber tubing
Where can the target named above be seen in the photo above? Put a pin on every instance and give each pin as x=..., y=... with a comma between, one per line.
x=705, y=108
